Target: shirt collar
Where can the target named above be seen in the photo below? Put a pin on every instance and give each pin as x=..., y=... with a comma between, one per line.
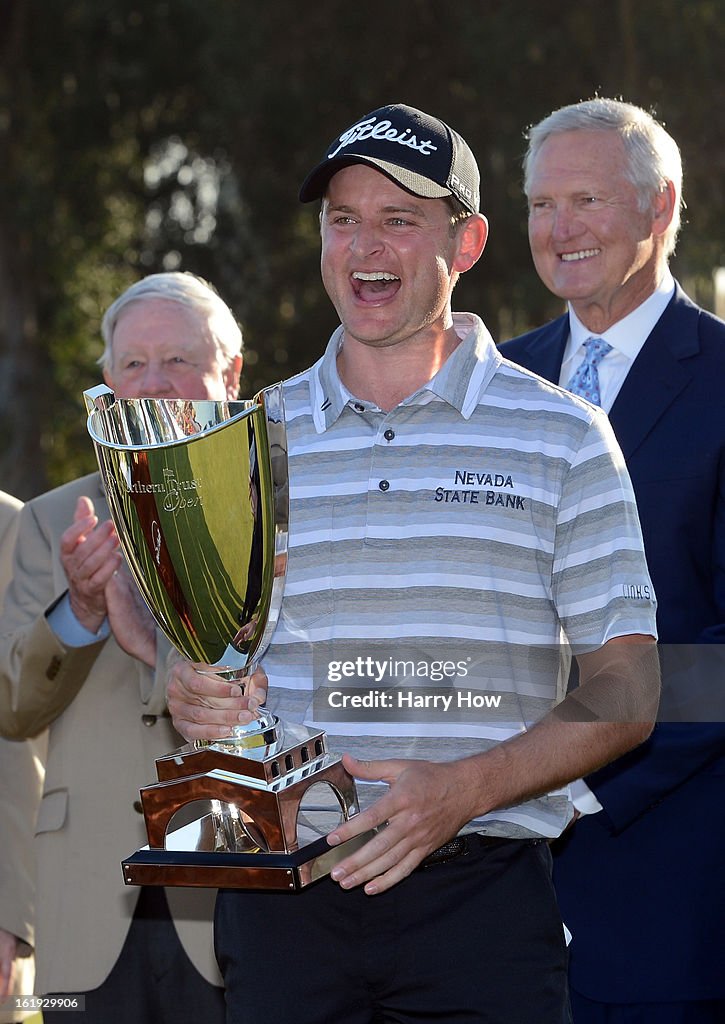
x=459, y=382
x=629, y=334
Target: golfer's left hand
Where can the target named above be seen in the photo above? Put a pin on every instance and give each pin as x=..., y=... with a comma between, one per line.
x=424, y=808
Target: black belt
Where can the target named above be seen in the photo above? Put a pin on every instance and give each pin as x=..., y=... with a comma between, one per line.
x=459, y=846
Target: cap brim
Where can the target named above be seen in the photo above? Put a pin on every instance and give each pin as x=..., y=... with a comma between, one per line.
x=316, y=182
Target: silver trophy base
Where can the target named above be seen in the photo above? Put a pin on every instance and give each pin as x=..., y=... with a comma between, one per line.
x=210, y=869
x=261, y=827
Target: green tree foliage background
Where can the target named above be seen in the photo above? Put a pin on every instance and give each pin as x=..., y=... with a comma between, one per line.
x=142, y=135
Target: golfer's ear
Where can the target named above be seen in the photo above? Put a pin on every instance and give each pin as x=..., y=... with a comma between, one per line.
x=472, y=235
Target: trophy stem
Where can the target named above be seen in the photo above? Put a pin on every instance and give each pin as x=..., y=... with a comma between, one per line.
x=232, y=674
x=261, y=731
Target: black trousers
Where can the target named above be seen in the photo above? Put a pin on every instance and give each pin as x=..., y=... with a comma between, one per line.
x=477, y=939
x=153, y=981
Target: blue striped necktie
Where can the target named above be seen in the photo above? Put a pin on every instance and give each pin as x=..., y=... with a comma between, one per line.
x=585, y=380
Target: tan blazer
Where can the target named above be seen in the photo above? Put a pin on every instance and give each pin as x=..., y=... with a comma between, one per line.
x=108, y=723
x=21, y=785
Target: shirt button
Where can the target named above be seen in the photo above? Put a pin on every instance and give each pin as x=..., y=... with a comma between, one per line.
x=389, y=434
x=358, y=407
x=148, y=720
x=384, y=485
x=138, y=807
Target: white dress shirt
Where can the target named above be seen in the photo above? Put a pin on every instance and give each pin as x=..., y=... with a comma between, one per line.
x=626, y=337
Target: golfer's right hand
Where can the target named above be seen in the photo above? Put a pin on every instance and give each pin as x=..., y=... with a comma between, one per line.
x=205, y=706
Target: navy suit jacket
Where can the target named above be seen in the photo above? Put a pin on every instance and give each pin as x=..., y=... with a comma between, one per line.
x=641, y=884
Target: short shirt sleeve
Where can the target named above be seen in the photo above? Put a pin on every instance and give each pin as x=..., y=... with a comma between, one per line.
x=600, y=581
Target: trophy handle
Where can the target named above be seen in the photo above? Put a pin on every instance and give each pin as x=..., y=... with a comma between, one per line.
x=98, y=398
x=272, y=400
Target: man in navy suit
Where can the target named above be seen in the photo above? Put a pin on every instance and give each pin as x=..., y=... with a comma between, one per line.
x=640, y=874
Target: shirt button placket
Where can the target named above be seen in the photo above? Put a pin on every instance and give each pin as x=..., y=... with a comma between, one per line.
x=388, y=434
x=381, y=478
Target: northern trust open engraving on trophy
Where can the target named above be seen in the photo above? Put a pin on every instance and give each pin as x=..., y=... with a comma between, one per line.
x=199, y=495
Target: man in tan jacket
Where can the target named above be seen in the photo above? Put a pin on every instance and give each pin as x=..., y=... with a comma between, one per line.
x=21, y=784
x=78, y=654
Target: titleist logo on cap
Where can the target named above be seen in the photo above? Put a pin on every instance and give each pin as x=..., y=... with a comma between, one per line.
x=384, y=130
x=416, y=151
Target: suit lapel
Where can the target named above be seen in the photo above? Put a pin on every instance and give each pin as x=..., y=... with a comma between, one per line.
x=658, y=374
x=546, y=351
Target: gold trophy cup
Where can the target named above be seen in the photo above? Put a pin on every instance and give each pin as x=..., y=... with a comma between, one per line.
x=198, y=492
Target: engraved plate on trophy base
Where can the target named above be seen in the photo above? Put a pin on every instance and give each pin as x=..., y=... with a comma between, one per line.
x=275, y=871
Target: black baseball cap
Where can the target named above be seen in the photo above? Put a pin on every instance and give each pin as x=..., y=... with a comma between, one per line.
x=415, y=150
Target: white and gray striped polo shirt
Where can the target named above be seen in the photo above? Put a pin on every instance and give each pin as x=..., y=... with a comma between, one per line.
x=450, y=548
